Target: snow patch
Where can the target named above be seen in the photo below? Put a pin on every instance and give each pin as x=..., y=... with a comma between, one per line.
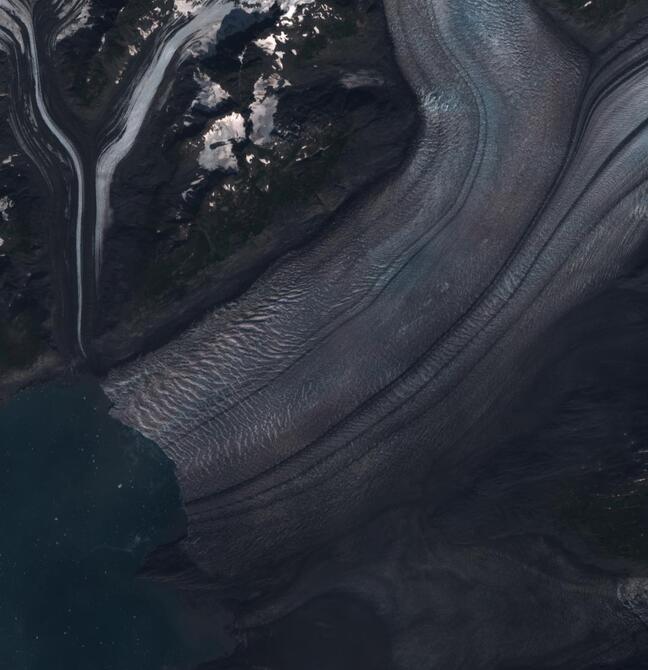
x=6, y=203
x=186, y=8
x=218, y=152
x=264, y=107
x=211, y=93
x=77, y=18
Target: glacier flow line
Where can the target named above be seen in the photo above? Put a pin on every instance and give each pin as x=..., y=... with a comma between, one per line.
x=24, y=15
x=209, y=17
x=76, y=162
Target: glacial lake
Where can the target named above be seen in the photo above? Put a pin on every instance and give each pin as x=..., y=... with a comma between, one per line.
x=82, y=501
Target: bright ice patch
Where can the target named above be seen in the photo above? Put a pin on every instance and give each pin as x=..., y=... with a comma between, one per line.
x=186, y=7
x=6, y=203
x=219, y=141
x=211, y=94
x=288, y=7
x=76, y=18
x=267, y=44
x=264, y=107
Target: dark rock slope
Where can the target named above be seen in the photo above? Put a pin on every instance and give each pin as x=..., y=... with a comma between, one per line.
x=596, y=23
x=251, y=137
x=28, y=345
x=255, y=144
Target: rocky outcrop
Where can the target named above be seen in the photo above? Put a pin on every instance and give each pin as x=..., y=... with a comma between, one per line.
x=594, y=24
x=259, y=141
x=177, y=150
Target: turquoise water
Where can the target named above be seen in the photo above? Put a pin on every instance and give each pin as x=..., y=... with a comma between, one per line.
x=82, y=501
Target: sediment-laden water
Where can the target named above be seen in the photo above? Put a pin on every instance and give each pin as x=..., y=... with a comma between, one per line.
x=82, y=501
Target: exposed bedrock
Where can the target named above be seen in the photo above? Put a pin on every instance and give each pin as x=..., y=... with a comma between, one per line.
x=596, y=24
x=339, y=381
x=252, y=145
x=182, y=147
